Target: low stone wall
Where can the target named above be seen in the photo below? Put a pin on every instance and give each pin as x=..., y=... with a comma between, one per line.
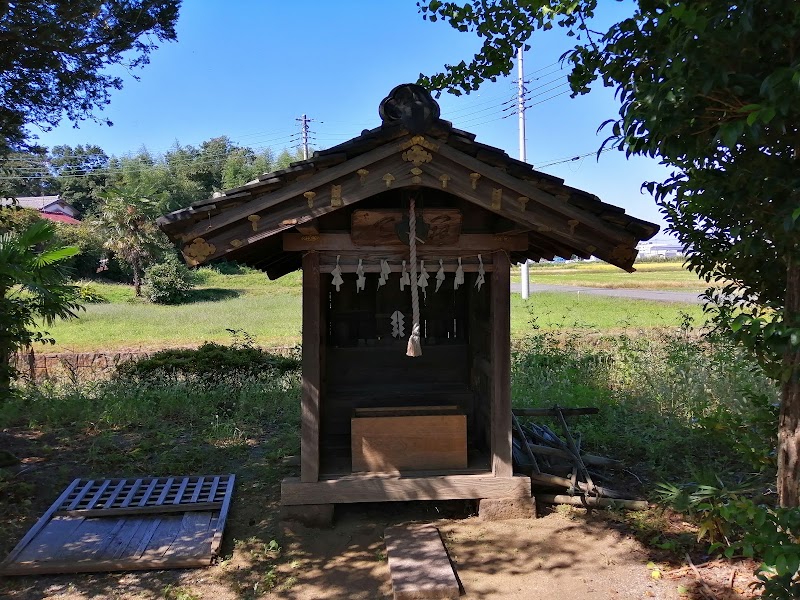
x=86, y=366
x=77, y=366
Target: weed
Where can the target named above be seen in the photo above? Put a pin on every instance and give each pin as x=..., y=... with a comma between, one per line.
x=172, y=592
x=667, y=399
x=270, y=579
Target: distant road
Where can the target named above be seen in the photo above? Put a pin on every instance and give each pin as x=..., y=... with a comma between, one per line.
x=657, y=295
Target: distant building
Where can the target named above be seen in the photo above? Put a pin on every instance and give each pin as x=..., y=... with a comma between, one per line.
x=659, y=249
x=51, y=208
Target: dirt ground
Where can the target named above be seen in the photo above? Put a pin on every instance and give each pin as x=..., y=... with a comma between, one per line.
x=566, y=554
x=569, y=557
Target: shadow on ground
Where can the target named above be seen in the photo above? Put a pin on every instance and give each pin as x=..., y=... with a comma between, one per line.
x=565, y=556
x=212, y=295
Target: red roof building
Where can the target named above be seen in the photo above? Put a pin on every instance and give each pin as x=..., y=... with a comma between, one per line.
x=59, y=218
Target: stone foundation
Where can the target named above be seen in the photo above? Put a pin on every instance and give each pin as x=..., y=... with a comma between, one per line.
x=319, y=516
x=501, y=509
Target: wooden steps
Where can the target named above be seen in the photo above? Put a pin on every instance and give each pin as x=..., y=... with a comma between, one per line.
x=419, y=565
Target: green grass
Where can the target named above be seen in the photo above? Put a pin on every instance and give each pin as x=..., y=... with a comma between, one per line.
x=655, y=275
x=671, y=403
x=271, y=312
x=556, y=310
x=275, y=319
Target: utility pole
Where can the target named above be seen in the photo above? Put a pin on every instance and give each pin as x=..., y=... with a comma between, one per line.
x=304, y=127
x=525, y=284
x=521, y=104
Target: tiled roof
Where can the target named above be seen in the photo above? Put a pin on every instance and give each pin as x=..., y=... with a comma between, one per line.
x=221, y=210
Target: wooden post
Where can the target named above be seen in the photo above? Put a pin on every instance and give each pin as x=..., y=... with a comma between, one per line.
x=501, y=365
x=312, y=333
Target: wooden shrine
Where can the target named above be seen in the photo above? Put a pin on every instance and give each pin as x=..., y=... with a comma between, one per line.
x=378, y=425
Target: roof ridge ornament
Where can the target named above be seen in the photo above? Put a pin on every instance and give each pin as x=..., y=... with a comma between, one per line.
x=412, y=106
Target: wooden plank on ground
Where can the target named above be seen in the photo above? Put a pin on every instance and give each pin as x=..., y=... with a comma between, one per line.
x=194, y=537
x=222, y=516
x=40, y=524
x=419, y=565
x=141, y=510
x=152, y=523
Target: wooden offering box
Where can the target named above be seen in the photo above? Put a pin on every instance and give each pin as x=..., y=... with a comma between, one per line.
x=408, y=439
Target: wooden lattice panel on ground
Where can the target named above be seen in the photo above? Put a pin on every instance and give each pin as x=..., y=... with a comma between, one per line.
x=127, y=524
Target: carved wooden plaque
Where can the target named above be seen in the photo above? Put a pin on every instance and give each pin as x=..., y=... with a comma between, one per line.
x=379, y=227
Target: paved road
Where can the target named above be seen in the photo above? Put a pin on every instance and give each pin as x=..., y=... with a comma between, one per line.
x=657, y=295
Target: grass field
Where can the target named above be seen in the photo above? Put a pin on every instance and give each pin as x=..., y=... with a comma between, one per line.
x=671, y=406
x=674, y=406
x=655, y=275
x=270, y=311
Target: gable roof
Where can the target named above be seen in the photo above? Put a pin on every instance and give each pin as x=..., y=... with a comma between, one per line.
x=412, y=147
x=44, y=204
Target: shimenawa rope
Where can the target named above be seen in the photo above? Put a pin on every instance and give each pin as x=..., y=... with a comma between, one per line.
x=414, y=347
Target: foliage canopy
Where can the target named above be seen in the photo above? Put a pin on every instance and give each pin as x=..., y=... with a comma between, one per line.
x=55, y=57
x=712, y=89
x=33, y=286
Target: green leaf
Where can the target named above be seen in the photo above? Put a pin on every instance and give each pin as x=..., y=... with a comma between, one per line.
x=729, y=133
x=781, y=564
x=750, y=108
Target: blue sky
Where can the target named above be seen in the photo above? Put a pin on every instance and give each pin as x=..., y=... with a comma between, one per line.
x=248, y=69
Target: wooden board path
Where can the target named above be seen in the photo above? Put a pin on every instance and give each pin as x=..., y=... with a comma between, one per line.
x=127, y=524
x=419, y=565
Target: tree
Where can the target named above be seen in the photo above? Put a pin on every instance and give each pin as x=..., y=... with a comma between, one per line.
x=26, y=174
x=243, y=165
x=712, y=88
x=207, y=169
x=285, y=158
x=81, y=174
x=33, y=285
x=55, y=54
x=127, y=221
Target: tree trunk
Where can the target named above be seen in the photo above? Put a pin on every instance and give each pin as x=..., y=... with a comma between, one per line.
x=789, y=423
x=5, y=374
x=137, y=279
x=5, y=356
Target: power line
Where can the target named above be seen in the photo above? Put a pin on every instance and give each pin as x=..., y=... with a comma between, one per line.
x=572, y=158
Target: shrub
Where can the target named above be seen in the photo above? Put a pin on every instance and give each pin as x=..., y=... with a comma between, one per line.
x=230, y=268
x=168, y=282
x=90, y=295
x=94, y=261
x=210, y=360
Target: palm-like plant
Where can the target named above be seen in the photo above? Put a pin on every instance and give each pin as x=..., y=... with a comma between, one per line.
x=33, y=286
x=127, y=221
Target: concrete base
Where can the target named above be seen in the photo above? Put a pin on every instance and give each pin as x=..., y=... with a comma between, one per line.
x=319, y=516
x=501, y=509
